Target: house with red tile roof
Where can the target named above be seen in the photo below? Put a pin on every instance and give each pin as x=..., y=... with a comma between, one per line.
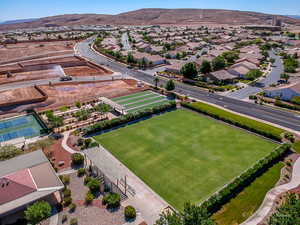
x=23, y=180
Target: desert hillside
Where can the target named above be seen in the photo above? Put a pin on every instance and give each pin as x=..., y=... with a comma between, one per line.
x=157, y=17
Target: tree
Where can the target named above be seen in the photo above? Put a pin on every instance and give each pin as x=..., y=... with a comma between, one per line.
x=37, y=212
x=189, y=70
x=170, y=85
x=191, y=215
x=253, y=74
x=218, y=63
x=130, y=58
x=94, y=185
x=230, y=56
x=205, y=67
x=77, y=159
x=156, y=80
x=103, y=108
x=285, y=76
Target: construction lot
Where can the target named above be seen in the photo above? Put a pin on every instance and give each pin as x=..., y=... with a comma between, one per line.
x=21, y=51
x=49, y=68
x=66, y=94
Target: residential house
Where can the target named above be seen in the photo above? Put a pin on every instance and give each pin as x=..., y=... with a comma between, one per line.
x=221, y=76
x=239, y=70
x=284, y=92
x=23, y=180
x=151, y=59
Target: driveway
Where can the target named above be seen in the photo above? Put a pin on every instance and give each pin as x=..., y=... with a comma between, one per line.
x=271, y=78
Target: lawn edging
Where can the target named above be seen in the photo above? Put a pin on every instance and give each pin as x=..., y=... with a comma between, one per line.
x=260, y=128
x=219, y=198
x=128, y=118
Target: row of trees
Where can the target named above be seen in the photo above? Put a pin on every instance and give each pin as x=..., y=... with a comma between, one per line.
x=190, y=71
x=290, y=62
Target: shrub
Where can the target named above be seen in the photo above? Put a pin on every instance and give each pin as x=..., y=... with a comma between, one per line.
x=89, y=197
x=87, y=180
x=108, y=124
x=8, y=152
x=67, y=201
x=77, y=159
x=67, y=192
x=130, y=212
x=73, y=221
x=64, y=218
x=80, y=172
x=37, y=212
x=94, y=185
x=112, y=200
x=72, y=207
x=289, y=136
x=237, y=120
x=65, y=179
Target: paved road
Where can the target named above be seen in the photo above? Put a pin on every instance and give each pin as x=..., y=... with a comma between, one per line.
x=282, y=118
x=272, y=78
x=125, y=42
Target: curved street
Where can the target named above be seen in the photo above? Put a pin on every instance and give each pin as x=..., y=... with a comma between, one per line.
x=282, y=118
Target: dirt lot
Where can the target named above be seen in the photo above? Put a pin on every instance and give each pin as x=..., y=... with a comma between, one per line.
x=20, y=94
x=19, y=50
x=68, y=94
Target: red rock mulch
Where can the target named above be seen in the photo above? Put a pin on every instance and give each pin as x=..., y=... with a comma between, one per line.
x=95, y=202
x=58, y=154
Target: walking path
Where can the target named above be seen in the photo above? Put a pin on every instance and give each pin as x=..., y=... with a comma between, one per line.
x=64, y=142
x=53, y=220
x=271, y=196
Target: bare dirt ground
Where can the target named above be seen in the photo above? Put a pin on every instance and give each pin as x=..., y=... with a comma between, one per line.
x=68, y=94
x=84, y=71
x=21, y=94
x=19, y=50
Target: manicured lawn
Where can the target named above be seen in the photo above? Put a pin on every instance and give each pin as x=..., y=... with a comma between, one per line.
x=248, y=201
x=184, y=156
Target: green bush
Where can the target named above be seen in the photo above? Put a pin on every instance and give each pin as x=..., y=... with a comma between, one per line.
x=72, y=207
x=237, y=120
x=67, y=201
x=89, y=197
x=9, y=151
x=215, y=201
x=67, y=192
x=80, y=172
x=77, y=159
x=65, y=179
x=129, y=212
x=37, y=212
x=112, y=200
x=108, y=124
x=87, y=179
x=94, y=185
x=73, y=221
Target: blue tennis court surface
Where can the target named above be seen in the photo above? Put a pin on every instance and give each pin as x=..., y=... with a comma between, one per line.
x=24, y=126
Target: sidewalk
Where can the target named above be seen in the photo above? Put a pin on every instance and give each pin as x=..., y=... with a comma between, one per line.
x=271, y=196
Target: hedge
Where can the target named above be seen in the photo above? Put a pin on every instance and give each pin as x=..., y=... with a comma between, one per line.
x=218, y=199
x=108, y=124
x=237, y=120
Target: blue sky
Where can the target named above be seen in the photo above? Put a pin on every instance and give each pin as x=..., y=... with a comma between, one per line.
x=22, y=9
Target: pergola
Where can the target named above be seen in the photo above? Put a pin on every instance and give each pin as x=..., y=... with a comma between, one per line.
x=114, y=105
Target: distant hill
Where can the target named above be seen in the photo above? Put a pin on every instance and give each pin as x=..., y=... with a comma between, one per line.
x=156, y=17
x=17, y=21
x=294, y=16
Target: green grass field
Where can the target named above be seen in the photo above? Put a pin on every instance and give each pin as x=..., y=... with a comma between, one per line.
x=184, y=156
x=248, y=201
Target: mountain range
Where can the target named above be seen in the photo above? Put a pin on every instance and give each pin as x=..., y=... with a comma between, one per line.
x=155, y=16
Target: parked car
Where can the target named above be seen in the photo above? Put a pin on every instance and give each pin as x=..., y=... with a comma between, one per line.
x=66, y=78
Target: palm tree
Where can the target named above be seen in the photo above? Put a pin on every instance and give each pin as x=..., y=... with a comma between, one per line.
x=156, y=80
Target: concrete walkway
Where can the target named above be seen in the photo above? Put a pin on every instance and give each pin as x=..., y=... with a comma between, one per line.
x=64, y=142
x=145, y=200
x=53, y=220
x=271, y=196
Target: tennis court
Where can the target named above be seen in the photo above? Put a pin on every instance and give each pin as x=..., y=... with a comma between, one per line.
x=141, y=100
x=23, y=126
